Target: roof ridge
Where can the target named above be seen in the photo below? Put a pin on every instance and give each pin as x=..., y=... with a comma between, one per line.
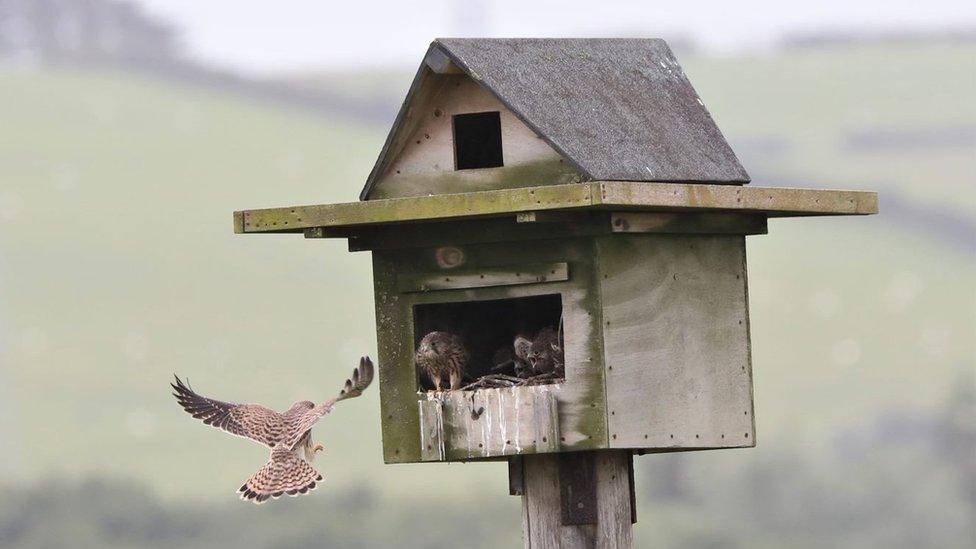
x=615, y=108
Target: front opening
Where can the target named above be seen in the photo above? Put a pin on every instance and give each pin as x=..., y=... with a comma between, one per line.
x=477, y=140
x=508, y=342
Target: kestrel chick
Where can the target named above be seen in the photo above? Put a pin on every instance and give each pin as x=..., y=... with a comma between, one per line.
x=546, y=354
x=288, y=471
x=442, y=354
x=523, y=347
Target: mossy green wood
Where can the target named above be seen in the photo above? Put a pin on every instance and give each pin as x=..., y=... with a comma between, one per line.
x=582, y=398
x=597, y=195
x=657, y=342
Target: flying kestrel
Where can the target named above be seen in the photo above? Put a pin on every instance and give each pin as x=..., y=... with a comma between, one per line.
x=286, y=433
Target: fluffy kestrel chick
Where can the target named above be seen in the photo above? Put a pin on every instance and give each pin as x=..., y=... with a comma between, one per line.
x=523, y=347
x=288, y=434
x=546, y=354
x=442, y=354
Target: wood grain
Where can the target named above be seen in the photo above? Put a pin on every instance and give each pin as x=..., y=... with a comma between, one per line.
x=513, y=420
x=676, y=336
x=614, y=526
x=602, y=195
x=532, y=273
x=546, y=422
x=431, y=430
x=541, y=505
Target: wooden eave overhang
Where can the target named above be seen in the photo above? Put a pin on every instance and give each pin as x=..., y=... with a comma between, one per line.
x=595, y=195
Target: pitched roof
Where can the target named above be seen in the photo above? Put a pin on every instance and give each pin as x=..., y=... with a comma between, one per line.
x=619, y=109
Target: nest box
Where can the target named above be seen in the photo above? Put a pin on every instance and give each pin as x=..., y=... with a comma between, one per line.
x=571, y=183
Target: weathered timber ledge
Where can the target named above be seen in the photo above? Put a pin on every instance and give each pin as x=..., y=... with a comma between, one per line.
x=596, y=195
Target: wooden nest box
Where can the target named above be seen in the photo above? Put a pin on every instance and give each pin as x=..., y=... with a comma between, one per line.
x=575, y=184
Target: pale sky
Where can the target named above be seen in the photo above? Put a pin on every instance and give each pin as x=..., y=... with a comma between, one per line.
x=285, y=35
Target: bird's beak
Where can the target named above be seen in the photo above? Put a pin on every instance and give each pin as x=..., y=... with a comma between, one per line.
x=318, y=448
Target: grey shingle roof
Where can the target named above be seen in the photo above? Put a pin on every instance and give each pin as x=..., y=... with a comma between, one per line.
x=619, y=109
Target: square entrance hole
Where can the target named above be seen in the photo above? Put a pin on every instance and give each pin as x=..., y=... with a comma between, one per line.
x=477, y=140
x=488, y=330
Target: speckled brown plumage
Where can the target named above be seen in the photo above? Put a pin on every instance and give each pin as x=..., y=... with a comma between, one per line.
x=286, y=473
x=440, y=355
x=523, y=347
x=546, y=354
x=287, y=434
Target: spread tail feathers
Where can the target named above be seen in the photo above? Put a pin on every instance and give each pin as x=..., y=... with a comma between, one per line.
x=361, y=378
x=285, y=474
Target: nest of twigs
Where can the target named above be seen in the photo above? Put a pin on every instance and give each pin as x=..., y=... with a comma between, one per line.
x=497, y=381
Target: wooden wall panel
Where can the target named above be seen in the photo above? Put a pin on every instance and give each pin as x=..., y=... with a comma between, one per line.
x=676, y=335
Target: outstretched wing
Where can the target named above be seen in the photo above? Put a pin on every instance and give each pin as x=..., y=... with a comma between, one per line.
x=355, y=385
x=244, y=420
x=361, y=378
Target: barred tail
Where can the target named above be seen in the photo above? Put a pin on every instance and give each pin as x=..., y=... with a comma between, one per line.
x=285, y=473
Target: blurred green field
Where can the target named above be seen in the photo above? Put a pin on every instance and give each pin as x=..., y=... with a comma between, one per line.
x=118, y=267
x=812, y=103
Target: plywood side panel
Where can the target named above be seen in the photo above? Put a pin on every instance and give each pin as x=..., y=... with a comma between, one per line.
x=496, y=422
x=424, y=160
x=675, y=322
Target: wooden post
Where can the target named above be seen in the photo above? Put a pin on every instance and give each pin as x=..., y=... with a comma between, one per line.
x=580, y=499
